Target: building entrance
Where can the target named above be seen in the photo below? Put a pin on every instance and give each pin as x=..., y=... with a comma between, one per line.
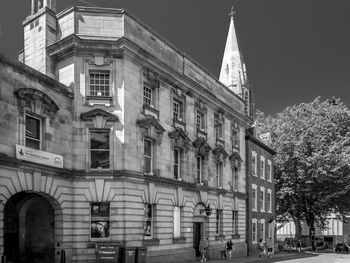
x=29, y=229
x=197, y=235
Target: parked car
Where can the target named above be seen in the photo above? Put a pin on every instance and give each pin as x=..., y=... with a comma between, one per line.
x=339, y=247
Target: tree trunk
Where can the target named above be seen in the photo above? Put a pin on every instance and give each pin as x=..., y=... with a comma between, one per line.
x=297, y=229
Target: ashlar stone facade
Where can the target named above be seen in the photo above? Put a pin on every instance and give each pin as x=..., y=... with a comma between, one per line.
x=153, y=146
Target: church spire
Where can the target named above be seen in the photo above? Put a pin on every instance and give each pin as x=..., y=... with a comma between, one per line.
x=233, y=72
x=232, y=68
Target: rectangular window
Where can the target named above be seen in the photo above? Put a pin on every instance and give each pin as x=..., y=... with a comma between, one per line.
x=218, y=131
x=235, y=178
x=100, y=220
x=234, y=138
x=147, y=96
x=99, y=83
x=199, y=169
x=178, y=110
x=269, y=170
x=254, y=163
x=254, y=231
x=254, y=198
x=262, y=229
x=269, y=200
x=99, y=149
x=149, y=217
x=262, y=167
x=218, y=223
x=262, y=199
x=148, y=156
x=177, y=222
x=177, y=163
x=234, y=222
x=198, y=122
x=33, y=132
x=218, y=174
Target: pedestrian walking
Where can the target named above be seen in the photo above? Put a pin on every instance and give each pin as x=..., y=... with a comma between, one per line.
x=269, y=246
x=203, y=246
x=229, y=246
x=261, y=248
x=222, y=244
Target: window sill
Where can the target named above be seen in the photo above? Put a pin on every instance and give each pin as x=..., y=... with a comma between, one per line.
x=179, y=124
x=93, y=243
x=151, y=242
x=201, y=134
x=151, y=111
x=99, y=100
x=179, y=240
x=220, y=141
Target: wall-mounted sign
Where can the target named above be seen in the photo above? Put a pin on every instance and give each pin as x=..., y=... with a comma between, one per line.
x=37, y=156
x=107, y=252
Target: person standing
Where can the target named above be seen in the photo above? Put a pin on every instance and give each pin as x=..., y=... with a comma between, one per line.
x=261, y=247
x=203, y=246
x=222, y=244
x=269, y=246
x=229, y=246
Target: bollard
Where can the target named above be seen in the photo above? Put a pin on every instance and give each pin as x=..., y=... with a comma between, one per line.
x=63, y=256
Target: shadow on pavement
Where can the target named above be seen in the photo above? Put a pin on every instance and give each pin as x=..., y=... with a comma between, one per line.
x=291, y=257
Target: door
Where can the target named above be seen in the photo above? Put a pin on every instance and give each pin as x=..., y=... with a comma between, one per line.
x=197, y=235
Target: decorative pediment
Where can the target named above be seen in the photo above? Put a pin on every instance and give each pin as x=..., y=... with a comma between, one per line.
x=219, y=115
x=151, y=128
x=37, y=101
x=200, y=106
x=235, y=159
x=220, y=153
x=100, y=118
x=151, y=78
x=180, y=139
x=201, y=146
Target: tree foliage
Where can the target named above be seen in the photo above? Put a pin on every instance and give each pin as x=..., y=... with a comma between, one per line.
x=312, y=141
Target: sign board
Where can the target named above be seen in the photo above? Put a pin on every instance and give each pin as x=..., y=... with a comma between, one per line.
x=107, y=252
x=37, y=156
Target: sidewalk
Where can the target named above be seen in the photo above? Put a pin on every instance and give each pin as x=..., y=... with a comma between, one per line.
x=255, y=258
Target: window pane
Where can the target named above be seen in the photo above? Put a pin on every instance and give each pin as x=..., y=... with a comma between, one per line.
x=148, y=221
x=176, y=110
x=100, y=159
x=32, y=143
x=147, y=95
x=148, y=148
x=100, y=229
x=32, y=127
x=99, y=140
x=99, y=83
x=99, y=209
x=176, y=156
x=148, y=164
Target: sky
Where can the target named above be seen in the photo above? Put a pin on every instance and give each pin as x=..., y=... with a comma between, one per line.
x=295, y=50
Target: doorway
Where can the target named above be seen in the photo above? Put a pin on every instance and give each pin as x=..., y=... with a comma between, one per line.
x=197, y=236
x=29, y=229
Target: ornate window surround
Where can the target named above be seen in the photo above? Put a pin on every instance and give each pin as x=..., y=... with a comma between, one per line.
x=96, y=64
x=151, y=80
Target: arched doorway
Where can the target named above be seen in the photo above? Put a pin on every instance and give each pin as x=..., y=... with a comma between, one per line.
x=29, y=229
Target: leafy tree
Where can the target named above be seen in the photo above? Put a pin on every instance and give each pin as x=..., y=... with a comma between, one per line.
x=312, y=172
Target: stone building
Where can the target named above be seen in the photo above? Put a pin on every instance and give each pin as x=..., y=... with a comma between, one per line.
x=261, y=190
x=111, y=135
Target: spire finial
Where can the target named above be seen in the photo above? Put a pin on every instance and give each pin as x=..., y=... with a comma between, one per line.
x=233, y=12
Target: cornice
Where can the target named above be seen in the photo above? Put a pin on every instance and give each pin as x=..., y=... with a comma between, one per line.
x=40, y=77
